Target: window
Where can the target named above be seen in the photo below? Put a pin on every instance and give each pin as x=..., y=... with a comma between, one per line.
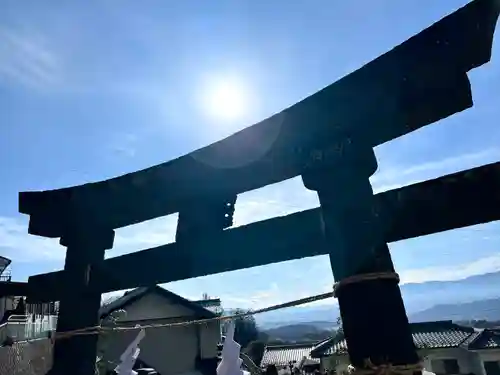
x=451, y=366
x=445, y=366
x=492, y=367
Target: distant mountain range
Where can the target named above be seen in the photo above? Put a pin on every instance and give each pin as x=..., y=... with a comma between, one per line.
x=476, y=297
x=487, y=309
x=298, y=333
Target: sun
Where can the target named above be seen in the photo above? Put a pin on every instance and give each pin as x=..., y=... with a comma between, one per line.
x=226, y=100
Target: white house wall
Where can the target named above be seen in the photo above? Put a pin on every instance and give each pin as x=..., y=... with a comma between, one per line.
x=467, y=361
x=489, y=355
x=475, y=363
x=170, y=350
x=210, y=336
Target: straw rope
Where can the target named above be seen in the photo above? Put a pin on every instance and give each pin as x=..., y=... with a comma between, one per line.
x=386, y=369
x=362, y=278
x=368, y=369
x=349, y=280
x=98, y=329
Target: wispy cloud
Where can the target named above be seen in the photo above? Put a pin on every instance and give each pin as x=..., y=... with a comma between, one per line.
x=26, y=58
x=278, y=293
x=18, y=245
x=448, y=273
x=125, y=145
x=144, y=235
x=398, y=176
x=275, y=295
x=291, y=196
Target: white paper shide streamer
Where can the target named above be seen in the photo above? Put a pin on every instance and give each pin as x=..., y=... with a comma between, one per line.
x=230, y=363
x=129, y=356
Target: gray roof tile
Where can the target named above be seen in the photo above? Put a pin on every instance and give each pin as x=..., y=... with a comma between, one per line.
x=486, y=339
x=428, y=335
x=281, y=355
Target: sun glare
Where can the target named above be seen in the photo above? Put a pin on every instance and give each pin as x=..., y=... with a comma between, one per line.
x=226, y=100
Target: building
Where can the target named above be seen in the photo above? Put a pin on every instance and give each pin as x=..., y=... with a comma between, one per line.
x=487, y=346
x=7, y=303
x=190, y=349
x=445, y=347
x=20, y=321
x=283, y=356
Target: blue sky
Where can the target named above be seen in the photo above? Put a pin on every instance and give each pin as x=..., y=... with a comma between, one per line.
x=93, y=90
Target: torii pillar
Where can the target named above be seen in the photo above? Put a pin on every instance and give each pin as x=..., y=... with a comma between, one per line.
x=374, y=319
x=80, y=304
x=203, y=220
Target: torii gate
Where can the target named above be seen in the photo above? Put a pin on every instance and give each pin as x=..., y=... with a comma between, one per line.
x=328, y=139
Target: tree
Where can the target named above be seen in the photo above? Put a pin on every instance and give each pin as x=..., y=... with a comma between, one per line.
x=102, y=366
x=340, y=329
x=245, y=329
x=255, y=350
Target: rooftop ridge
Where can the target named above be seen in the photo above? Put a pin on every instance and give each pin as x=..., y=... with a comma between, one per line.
x=294, y=345
x=449, y=335
x=439, y=324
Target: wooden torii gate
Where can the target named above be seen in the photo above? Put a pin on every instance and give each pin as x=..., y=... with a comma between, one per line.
x=328, y=139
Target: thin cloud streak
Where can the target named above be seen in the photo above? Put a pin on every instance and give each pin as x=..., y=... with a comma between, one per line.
x=17, y=245
x=396, y=177
x=449, y=273
x=25, y=59
x=277, y=294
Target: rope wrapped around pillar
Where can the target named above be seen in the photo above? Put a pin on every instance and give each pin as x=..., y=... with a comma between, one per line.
x=375, y=324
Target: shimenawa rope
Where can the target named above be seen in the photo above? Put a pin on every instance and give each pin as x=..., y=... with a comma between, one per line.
x=368, y=369
x=349, y=280
x=364, y=277
x=386, y=369
x=99, y=329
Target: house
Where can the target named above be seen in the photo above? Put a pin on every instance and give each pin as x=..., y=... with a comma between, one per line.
x=7, y=303
x=20, y=321
x=486, y=344
x=283, y=355
x=190, y=349
x=445, y=347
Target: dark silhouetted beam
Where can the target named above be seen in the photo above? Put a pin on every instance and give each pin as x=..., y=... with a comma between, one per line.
x=454, y=201
x=417, y=83
x=14, y=289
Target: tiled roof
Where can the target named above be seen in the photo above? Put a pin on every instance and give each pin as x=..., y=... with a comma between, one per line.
x=486, y=339
x=138, y=293
x=471, y=338
x=428, y=335
x=281, y=355
x=443, y=334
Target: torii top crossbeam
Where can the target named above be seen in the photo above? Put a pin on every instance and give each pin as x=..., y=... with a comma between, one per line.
x=422, y=80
